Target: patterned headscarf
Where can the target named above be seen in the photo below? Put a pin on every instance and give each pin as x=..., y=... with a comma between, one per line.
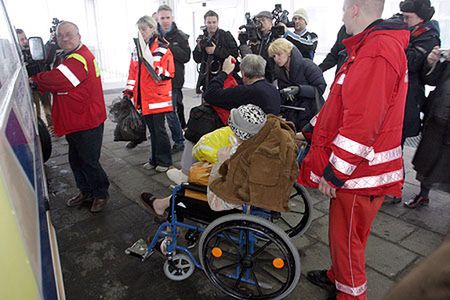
x=246, y=121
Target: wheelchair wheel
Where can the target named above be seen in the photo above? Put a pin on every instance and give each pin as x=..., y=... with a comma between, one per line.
x=297, y=220
x=179, y=267
x=248, y=257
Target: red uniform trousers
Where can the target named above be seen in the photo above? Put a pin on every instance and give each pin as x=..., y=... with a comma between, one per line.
x=351, y=217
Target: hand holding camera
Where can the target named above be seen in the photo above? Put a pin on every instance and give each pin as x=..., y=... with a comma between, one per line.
x=437, y=54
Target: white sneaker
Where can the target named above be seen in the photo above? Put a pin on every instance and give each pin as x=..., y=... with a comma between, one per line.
x=148, y=166
x=176, y=176
x=161, y=169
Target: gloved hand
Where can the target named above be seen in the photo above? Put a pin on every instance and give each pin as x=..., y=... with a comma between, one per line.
x=243, y=38
x=290, y=92
x=127, y=94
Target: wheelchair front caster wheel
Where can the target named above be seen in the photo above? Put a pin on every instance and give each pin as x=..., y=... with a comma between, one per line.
x=179, y=267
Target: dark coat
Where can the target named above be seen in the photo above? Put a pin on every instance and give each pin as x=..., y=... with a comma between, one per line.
x=261, y=93
x=179, y=45
x=420, y=45
x=306, y=75
x=261, y=47
x=263, y=169
x=337, y=55
x=225, y=46
x=432, y=158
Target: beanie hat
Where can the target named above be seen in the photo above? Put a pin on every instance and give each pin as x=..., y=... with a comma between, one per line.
x=246, y=121
x=264, y=14
x=422, y=8
x=301, y=12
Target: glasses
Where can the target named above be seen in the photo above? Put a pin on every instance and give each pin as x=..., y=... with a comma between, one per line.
x=65, y=36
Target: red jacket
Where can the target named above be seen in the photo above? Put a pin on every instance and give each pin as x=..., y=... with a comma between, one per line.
x=156, y=97
x=75, y=83
x=357, y=134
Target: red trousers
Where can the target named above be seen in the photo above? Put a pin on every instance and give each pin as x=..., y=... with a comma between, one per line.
x=351, y=217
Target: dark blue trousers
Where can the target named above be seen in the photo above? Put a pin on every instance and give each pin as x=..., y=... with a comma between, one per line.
x=160, y=144
x=84, y=154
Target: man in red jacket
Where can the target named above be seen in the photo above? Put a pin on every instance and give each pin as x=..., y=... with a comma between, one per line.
x=78, y=113
x=355, y=156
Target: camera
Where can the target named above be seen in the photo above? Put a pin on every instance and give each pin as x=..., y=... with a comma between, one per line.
x=251, y=27
x=281, y=16
x=55, y=23
x=443, y=55
x=204, y=40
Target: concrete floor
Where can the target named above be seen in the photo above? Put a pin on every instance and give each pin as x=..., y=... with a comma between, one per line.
x=92, y=246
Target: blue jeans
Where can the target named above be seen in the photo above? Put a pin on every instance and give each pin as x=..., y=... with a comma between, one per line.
x=160, y=143
x=84, y=154
x=174, y=122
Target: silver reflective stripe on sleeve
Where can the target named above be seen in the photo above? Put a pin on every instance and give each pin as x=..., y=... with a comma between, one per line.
x=314, y=178
x=354, y=291
x=354, y=147
x=68, y=74
x=386, y=156
x=341, y=165
x=314, y=120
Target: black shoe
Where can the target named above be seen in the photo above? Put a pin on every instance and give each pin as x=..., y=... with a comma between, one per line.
x=131, y=145
x=177, y=148
x=320, y=278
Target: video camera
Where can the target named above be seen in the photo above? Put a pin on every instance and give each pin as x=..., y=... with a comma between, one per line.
x=55, y=23
x=251, y=27
x=281, y=16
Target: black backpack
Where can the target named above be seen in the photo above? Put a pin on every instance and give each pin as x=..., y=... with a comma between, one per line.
x=203, y=119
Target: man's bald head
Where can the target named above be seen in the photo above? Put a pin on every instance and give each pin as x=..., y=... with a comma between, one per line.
x=358, y=14
x=68, y=36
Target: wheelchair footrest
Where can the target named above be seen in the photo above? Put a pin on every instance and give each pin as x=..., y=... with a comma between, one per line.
x=139, y=249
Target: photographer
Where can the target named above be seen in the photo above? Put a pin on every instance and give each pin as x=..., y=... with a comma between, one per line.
x=305, y=41
x=213, y=47
x=257, y=38
x=34, y=67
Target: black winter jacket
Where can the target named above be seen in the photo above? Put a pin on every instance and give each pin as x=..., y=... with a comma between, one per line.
x=261, y=48
x=337, y=55
x=225, y=46
x=306, y=75
x=179, y=45
x=419, y=48
x=260, y=93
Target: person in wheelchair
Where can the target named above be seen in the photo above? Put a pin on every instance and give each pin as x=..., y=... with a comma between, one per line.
x=254, y=170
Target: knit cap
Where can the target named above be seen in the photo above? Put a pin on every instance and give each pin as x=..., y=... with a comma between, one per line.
x=422, y=8
x=264, y=14
x=246, y=121
x=301, y=12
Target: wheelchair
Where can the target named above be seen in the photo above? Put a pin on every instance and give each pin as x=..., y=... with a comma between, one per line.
x=246, y=253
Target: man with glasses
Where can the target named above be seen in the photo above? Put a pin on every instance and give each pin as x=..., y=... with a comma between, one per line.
x=78, y=113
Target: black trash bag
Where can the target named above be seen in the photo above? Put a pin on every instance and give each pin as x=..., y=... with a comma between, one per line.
x=130, y=125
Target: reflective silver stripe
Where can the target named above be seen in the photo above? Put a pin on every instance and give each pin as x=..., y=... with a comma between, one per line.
x=166, y=73
x=62, y=93
x=314, y=177
x=162, y=50
x=374, y=181
x=159, y=105
x=354, y=147
x=386, y=156
x=314, y=120
x=156, y=58
x=341, y=165
x=68, y=74
x=354, y=291
x=133, y=82
x=130, y=87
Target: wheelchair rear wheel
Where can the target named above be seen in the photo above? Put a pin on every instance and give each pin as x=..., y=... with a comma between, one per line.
x=248, y=257
x=297, y=220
